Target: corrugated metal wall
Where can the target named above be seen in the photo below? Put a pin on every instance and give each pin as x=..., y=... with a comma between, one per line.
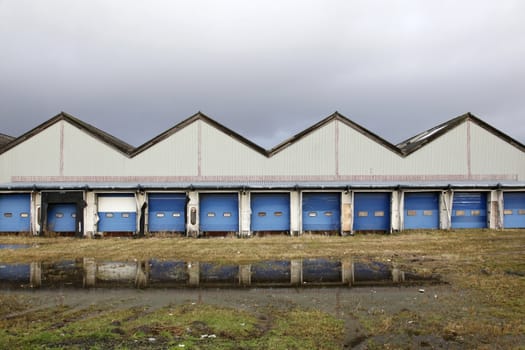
x=333, y=151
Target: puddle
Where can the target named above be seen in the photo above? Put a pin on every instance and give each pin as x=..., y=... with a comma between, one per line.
x=14, y=246
x=153, y=273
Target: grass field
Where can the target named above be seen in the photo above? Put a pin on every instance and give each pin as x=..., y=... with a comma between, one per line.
x=483, y=305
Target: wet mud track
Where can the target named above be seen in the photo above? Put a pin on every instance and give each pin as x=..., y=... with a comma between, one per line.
x=369, y=317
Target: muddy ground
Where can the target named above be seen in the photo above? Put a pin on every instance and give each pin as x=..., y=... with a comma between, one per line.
x=479, y=303
x=411, y=317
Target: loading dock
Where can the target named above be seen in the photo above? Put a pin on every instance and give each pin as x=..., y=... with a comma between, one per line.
x=321, y=211
x=469, y=210
x=270, y=212
x=219, y=212
x=117, y=213
x=62, y=212
x=15, y=211
x=372, y=211
x=421, y=210
x=61, y=217
x=514, y=209
x=167, y=212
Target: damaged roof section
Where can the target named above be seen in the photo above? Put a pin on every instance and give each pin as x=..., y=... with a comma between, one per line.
x=416, y=142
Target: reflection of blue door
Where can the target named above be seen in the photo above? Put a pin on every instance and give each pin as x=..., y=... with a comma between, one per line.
x=61, y=217
x=469, y=210
x=421, y=210
x=166, y=212
x=372, y=211
x=14, y=212
x=219, y=212
x=514, y=209
x=270, y=211
x=117, y=212
x=321, y=211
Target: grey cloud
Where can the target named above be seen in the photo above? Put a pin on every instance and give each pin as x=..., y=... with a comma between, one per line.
x=266, y=70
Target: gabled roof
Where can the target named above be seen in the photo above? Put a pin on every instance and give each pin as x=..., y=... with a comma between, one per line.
x=5, y=139
x=202, y=117
x=416, y=142
x=108, y=139
x=402, y=149
x=339, y=117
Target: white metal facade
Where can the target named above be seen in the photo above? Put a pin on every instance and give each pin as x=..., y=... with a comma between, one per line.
x=200, y=152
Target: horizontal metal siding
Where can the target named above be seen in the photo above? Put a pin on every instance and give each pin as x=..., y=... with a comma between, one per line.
x=421, y=210
x=167, y=212
x=313, y=155
x=84, y=155
x=270, y=211
x=223, y=155
x=321, y=211
x=360, y=155
x=61, y=217
x=219, y=212
x=514, y=209
x=15, y=212
x=38, y=155
x=469, y=210
x=446, y=155
x=490, y=155
x=372, y=211
x=176, y=155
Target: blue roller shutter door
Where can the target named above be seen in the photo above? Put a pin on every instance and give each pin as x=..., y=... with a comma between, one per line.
x=219, y=212
x=270, y=211
x=166, y=212
x=372, y=211
x=61, y=217
x=321, y=211
x=514, y=209
x=421, y=210
x=15, y=212
x=117, y=213
x=469, y=210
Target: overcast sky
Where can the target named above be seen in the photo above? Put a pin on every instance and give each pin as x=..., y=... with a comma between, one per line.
x=266, y=69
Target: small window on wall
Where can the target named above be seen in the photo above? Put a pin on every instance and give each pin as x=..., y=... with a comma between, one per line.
x=261, y=213
x=362, y=213
x=507, y=212
x=24, y=215
x=460, y=213
x=160, y=215
x=59, y=215
x=379, y=213
x=312, y=214
x=427, y=213
x=278, y=213
x=328, y=213
x=125, y=215
x=227, y=214
x=521, y=211
x=8, y=215
x=475, y=212
x=411, y=213
x=211, y=214
x=176, y=215
x=109, y=215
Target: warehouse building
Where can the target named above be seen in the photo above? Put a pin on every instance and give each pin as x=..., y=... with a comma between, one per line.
x=201, y=178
